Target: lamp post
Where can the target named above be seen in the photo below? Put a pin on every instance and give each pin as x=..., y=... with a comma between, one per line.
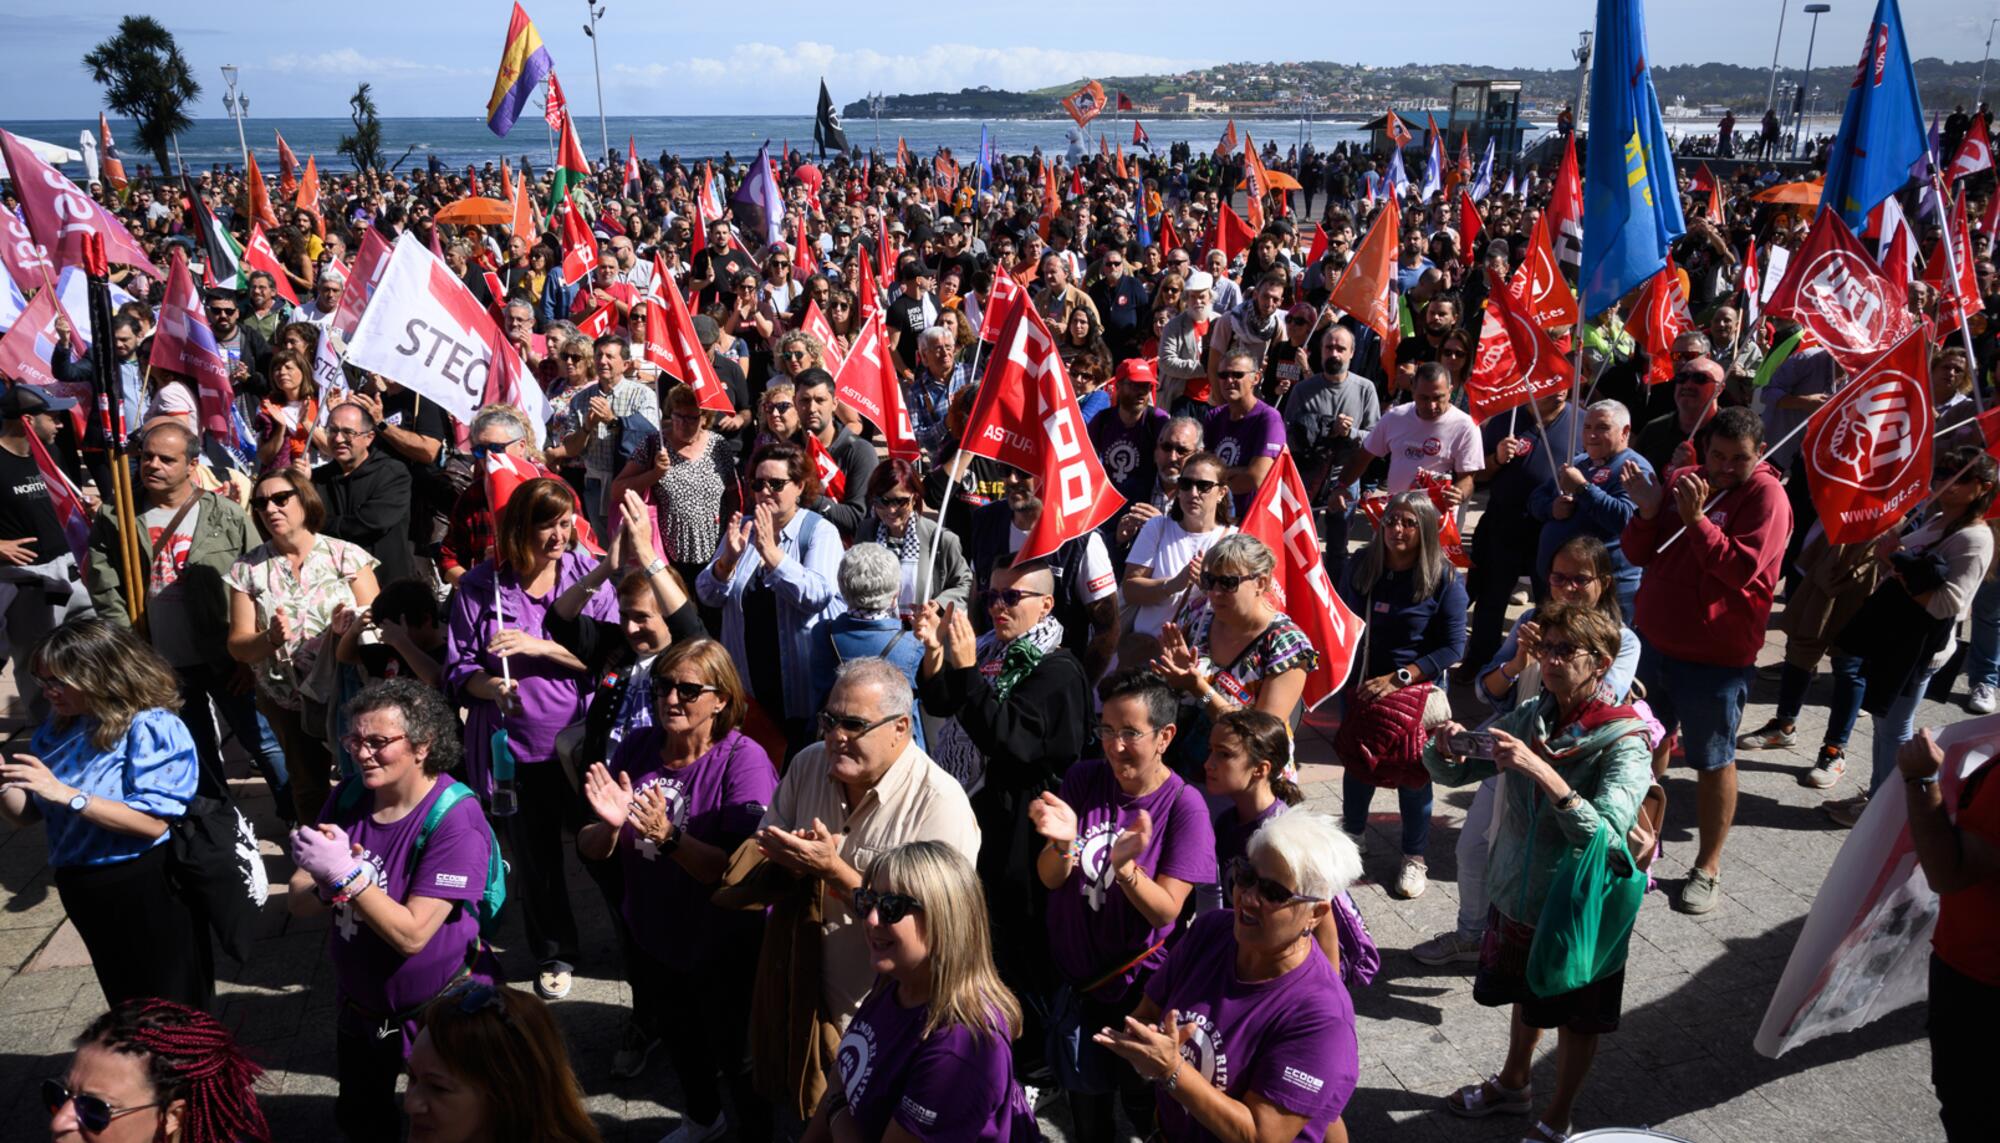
x=1582, y=57
x=1799, y=136
x=1771, y=100
x=875, y=102
x=1981, y=97
x=603, y=134
x=238, y=108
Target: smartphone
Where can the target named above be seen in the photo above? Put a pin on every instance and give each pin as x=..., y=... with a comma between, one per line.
x=1470, y=744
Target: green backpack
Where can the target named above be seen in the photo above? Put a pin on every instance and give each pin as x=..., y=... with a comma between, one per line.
x=494, y=896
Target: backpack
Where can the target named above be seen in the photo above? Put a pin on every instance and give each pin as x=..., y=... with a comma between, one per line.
x=494, y=896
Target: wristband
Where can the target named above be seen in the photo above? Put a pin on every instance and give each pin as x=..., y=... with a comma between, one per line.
x=657, y=566
x=1923, y=783
x=345, y=888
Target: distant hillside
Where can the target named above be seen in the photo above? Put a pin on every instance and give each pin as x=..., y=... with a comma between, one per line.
x=1325, y=88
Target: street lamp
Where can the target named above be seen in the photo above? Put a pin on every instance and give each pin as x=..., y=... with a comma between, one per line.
x=1813, y=10
x=875, y=102
x=1582, y=57
x=238, y=108
x=590, y=29
x=1771, y=100
x=1982, y=65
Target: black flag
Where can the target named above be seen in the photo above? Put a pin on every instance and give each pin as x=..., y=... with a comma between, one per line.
x=826, y=126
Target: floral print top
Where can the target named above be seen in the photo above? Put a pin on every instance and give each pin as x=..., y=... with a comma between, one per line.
x=308, y=599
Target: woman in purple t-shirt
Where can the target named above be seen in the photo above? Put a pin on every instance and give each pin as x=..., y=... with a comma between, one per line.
x=404, y=889
x=1258, y=1029
x=1128, y=840
x=677, y=799
x=928, y=1055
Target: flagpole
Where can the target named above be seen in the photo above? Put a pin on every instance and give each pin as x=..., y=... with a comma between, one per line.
x=1780, y=443
x=960, y=461
x=1951, y=268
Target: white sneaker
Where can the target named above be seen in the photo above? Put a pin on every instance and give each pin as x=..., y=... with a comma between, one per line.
x=691, y=1132
x=1411, y=880
x=1985, y=699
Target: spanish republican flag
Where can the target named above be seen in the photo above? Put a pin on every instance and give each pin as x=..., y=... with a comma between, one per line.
x=524, y=63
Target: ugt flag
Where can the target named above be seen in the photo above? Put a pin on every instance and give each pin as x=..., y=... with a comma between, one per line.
x=1882, y=128
x=1280, y=515
x=1868, y=450
x=1631, y=203
x=425, y=329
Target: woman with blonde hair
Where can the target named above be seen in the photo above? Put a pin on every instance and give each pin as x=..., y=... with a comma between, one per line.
x=110, y=769
x=491, y=1065
x=928, y=1056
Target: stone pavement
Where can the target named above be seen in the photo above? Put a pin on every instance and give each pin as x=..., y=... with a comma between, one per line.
x=1682, y=1061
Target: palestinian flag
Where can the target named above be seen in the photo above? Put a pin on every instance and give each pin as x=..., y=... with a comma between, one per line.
x=571, y=167
x=222, y=255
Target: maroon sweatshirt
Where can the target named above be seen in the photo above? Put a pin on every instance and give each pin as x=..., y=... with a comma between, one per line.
x=1707, y=597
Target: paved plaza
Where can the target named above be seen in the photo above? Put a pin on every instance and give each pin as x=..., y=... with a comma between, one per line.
x=1682, y=1062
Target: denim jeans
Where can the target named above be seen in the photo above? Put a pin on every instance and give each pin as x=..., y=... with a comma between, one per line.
x=1982, y=660
x=1848, y=689
x=1414, y=804
x=1894, y=728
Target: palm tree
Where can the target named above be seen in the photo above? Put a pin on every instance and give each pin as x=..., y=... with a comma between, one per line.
x=365, y=145
x=146, y=79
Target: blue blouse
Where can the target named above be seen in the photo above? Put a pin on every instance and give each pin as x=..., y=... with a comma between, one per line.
x=152, y=769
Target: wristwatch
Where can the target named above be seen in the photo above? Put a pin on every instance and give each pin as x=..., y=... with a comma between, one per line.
x=658, y=565
x=77, y=803
x=1403, y=677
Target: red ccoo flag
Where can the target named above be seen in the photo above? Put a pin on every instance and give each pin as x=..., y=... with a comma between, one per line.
x=1868, y=450
x=1001, y=300
x=1659, y=315
x=1565, y=212
x=1975, y=154
x=579, y=245
x=815, y=323
x=258, y=255
x=867, y=382
x=803, y=262
x=1280, y=516
x=65, y=499
x=1026, y=416
x=831, y=478
x=690, y=362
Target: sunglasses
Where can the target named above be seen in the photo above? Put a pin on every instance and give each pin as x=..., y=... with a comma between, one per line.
x=259, y=503
x=1570, y=582
x=796, y=355
x=1011, y=596
x=767, y=485
x=1172, y=449
x=92, y=1113
x=684, y=691
x=1195, y=484
x=1231, y=374
x=893, y=501
x=575, y=357
x=778, y=407
x=1556, y=651
x=482, y=451
x=1458, y=353
x=1242, y=876
x=889, y=908
x=850, y=725
x=1298, y=321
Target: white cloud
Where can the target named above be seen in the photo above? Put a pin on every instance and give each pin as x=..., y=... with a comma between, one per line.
x=348, y=62
x=758, y=71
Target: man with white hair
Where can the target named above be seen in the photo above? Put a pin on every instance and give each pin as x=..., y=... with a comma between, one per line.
x=938, y=377
x=1588, y=497
x=1183, y=359
x=870, y=579
x=863, y=789
x=319, y=308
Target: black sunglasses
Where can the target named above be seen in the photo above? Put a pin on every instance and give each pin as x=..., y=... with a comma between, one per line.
x=1211, y=581
x=850, y=725
x=892, y=501
x=686, y=692
x=92, y=1113
x=1196, y=484
x=259, y=503
x=1242, y=877
x=482, y=451
x=1011, y=596
x=1231, y=374
x=766, y=484
x=888, y=908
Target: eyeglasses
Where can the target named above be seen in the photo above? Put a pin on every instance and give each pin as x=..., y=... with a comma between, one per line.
x=1212, y=581
x=340, y=433
x=1011, y=596
x=1401, y=523
x=92, y=1113
x=259, y=503
x=1124, y=735
x=686, y=692
x=850, y=725
x=893, y=501
x=1570, y=582
x=1242, y=877
x=1231, y=374
x=888, y=908
x=372, y=745
x=50, y=682
x=1195, y=484
x=686, y=418
x=575, y=357
x=768, y=485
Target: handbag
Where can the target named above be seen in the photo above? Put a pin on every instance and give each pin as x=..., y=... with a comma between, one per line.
x=1382, y=742
x=212, y=861
x=1586, y=920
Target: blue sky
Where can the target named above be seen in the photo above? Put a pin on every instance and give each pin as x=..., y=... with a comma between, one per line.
x=664, y=58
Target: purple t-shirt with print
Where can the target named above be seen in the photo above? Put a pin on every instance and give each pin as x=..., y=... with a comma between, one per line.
x=718, y=798
x=1092, y=927
x=1289, y=1040
x=1232, y=837
x=367, y=969
x=1127, y=450
x=1237, y=442
x=955, y=1084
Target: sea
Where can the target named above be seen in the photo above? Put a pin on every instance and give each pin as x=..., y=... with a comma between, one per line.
x=455, y=142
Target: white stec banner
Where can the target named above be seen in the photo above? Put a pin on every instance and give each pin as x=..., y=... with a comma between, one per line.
x=425, y=331
x=1866, y=946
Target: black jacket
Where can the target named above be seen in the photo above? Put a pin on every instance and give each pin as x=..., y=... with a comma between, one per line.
x=857, y=461
x=371, y=507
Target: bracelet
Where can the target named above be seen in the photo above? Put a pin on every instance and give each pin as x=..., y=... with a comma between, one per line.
x=1171, y=1081
x=1923, y=783
x=657, y=566
x=344, y=889
x=1512, y=677
x=1063, y=849
x=1133, y=879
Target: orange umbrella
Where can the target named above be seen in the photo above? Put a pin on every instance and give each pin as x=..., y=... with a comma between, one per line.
x=476, y=210
x=1279, y=180
x=1796, y=194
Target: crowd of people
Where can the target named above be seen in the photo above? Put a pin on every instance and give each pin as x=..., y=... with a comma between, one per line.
x=919, y=834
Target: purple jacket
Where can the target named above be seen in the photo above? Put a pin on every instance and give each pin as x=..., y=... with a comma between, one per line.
x=552, y=696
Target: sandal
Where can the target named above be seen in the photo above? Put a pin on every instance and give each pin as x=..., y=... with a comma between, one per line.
x=1543, y=1133
x=1490, y=1097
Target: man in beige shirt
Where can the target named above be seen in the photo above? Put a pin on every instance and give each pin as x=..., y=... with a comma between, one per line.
x=862, y=790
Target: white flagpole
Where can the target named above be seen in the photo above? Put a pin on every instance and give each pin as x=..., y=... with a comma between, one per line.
x=1951, y=268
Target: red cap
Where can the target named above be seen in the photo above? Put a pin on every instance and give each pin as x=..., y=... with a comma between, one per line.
x=1139, y=371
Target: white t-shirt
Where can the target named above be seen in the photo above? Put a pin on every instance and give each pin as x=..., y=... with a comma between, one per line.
x=1449, y=445
x=1163, y=548
x=1099, y=578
